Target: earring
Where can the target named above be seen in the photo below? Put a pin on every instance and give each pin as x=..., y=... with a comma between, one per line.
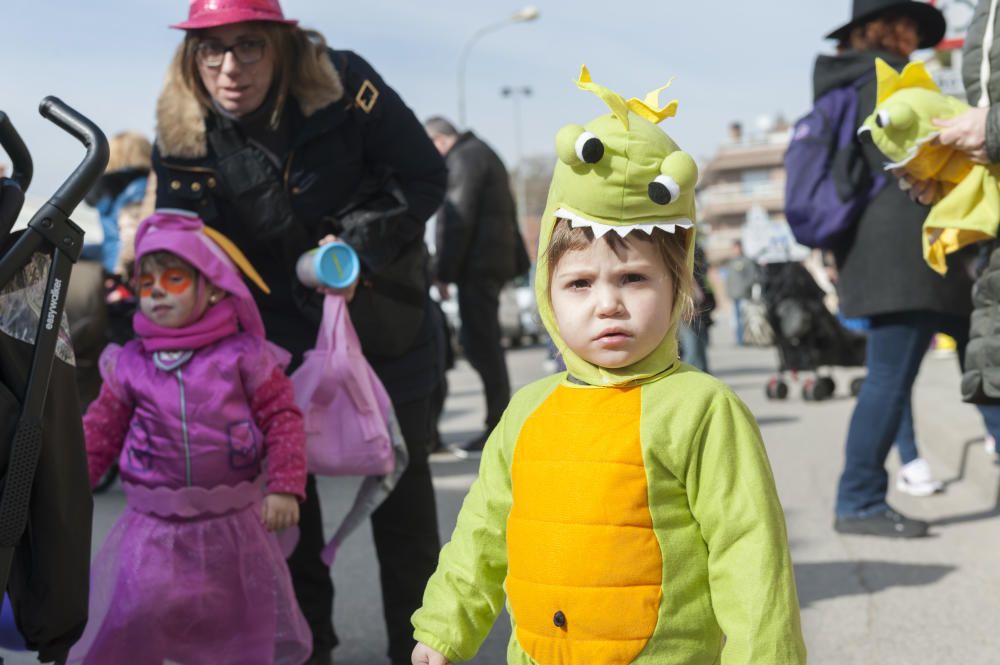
x=212, y=299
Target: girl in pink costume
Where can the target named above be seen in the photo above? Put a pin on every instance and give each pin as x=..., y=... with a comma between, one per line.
x=192, y=572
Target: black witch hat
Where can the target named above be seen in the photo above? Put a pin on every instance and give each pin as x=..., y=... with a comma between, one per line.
x=930, y=20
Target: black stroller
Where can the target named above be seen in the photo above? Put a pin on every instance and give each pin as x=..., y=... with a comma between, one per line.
x=45, y=504
x=809, y=338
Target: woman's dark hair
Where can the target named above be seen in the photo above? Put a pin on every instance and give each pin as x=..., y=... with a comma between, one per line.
x=877, y=33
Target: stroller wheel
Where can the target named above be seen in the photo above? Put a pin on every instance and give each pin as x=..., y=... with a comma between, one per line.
x=856, y=386
x=809, y=390
x=776, y=388
x=825, y=387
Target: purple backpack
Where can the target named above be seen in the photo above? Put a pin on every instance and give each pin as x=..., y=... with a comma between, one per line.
x=827, y=180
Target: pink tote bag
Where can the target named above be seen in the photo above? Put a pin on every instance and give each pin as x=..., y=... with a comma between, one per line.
x=346, y=407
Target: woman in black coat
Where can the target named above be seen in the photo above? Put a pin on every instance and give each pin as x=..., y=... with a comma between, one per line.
x=883, y=277
x=277, y=142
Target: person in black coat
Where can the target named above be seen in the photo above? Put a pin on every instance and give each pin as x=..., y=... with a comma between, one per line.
x=882, y=275
x=479, y=249
x=279, y=142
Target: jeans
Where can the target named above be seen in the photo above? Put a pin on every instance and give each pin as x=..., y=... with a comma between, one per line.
x=906, y=437
x=896, y=346
x=738, y=321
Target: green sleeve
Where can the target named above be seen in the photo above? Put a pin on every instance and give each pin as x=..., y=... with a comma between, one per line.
x=733, y=498
x=465, y=594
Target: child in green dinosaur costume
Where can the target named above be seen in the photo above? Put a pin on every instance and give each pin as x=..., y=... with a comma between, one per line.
x=901, y=128
x=626, y=507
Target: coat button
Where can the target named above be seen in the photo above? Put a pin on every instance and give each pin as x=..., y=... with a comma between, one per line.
x=559, y=619
x=296, y=190
x=195, y=186
x=175, y=184
x=211, y=183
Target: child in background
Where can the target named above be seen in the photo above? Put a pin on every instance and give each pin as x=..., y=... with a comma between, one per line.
x=626, y=507
x=118, y=197
x=191, y=572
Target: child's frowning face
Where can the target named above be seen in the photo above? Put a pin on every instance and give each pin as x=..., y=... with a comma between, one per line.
x=613, y=305
x=168, y=293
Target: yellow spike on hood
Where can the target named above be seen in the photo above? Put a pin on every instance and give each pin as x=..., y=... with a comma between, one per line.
x=614, y=101
x=650, y=109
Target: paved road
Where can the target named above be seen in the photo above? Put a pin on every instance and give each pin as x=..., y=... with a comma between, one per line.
x=865, y=601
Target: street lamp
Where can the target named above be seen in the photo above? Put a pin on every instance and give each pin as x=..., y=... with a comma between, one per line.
x=529, y=13
x=515, y=93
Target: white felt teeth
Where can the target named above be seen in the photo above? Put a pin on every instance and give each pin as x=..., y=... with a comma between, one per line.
x=599, y=229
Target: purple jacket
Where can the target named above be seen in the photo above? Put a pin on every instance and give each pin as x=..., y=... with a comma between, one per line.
x=192, y=423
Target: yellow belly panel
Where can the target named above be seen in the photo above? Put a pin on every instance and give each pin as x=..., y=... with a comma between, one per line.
x=584, y=566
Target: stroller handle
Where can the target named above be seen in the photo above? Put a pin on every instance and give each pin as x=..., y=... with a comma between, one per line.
x=18, y=152
x=72, y=191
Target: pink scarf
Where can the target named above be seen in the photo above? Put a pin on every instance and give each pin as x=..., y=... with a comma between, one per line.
x=217, y=322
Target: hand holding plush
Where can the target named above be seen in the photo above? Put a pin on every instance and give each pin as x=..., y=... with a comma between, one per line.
x=937, y=146
x=967, y=132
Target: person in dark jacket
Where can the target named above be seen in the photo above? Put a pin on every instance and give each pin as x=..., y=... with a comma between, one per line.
x=279, y=142
x=977, y=132
x=882, y=274
x=479, y=248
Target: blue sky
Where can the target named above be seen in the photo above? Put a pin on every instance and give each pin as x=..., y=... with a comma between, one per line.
x=731, y=59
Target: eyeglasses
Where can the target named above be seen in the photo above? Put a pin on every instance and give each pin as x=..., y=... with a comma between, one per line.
x=212, y=53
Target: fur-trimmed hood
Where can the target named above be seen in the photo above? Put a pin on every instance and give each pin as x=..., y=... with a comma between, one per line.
x=180, y=118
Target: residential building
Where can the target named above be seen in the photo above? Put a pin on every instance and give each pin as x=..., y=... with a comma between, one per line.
x=746, y=172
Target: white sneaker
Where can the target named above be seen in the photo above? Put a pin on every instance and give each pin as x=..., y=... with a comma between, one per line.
x=990, y=444
x=915, y=479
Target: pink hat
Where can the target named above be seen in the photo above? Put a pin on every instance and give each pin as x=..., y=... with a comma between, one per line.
x=212, y=13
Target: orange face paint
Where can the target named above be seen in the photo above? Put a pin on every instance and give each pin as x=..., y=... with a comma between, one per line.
x=176, y=280
x=172, y=280
x=146, y=282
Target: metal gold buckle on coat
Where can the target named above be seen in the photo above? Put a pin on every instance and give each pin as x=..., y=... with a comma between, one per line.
x=367, y=96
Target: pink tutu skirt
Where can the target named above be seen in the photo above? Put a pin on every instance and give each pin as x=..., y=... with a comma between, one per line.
x=191, y=577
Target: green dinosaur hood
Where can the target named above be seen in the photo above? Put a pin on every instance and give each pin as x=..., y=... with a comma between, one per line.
x=619, y=173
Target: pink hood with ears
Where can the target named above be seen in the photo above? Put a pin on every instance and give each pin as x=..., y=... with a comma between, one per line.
x=183, y=233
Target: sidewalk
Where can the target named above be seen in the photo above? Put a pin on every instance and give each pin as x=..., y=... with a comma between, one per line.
x=872, y=601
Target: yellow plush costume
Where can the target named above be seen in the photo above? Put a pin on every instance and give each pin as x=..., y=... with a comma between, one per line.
x=630, y=514
x=901, y=128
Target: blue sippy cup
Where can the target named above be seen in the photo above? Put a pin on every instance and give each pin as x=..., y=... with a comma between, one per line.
x=333, y=265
